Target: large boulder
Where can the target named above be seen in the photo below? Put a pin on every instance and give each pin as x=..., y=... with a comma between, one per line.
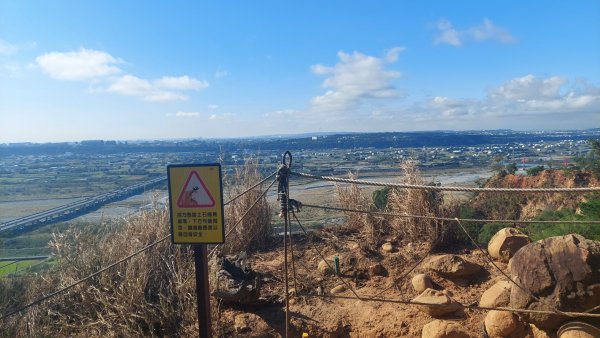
x=436, y=303
x=453, y=267
x=562, y=272
x=500, y=323
x=497, y=295
x=506, y=242
x=444, y=329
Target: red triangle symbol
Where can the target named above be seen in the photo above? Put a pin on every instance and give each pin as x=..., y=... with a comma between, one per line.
x=195, y=194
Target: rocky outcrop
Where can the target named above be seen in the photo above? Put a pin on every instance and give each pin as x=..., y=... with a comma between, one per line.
x=505, y=243
x=436, y=303
x=453, y=267
x=497, y=295
x=561, y=272
x=443, y=329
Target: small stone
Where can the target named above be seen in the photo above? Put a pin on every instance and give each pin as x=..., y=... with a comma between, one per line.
x=421, y=282
x=376, y=270
x=537, y=332
x=436, y=303
x=443, y=329
x=240, y=324
x=387, y=247
x=500, y=323
x=497, y=295
x=338, y=289
x=324, y=268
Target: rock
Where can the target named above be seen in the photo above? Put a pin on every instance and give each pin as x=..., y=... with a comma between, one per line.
x=377, y=270
x=387, y=247
x=440, y=303
x=537, y=332
x=578, y=330
x=506, y=242
x=443, y=329
x=338, y=289
x=240, y=323
x=325, y=269
x=497, y=295
x=563, y=272
x=500, y=323
x=453, y=267
x=421, y=282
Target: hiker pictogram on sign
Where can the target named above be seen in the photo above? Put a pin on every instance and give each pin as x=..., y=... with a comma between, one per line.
x=195, y=194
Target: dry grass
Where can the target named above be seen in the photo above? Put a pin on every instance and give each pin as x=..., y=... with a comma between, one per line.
x=151, y=294
x=370, y=227
x=255, y=230
x=416, y=202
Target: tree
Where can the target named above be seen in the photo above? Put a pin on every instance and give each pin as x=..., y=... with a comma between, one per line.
x=511, y=168
x=535, y=170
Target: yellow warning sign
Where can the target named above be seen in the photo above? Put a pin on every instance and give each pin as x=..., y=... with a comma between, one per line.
x=196, y=203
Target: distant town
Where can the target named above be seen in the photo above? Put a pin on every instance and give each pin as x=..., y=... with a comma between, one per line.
x=75, y=169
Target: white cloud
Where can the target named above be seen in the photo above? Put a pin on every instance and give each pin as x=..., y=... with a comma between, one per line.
x=180, y=83
x=100, y=68
x=7, y=48
x=226, y=116
x=522, y=96
x=355, y=79
x=212, y=106
x=487, y=30
x=221, y=73
x=130, y=85
x=84, y=64
x=281, y=113
x=184, y=114
x=448, y=34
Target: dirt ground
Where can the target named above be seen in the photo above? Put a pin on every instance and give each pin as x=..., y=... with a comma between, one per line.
x=350, y=317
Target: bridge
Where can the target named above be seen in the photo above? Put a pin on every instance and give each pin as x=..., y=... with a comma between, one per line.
x=77, y=208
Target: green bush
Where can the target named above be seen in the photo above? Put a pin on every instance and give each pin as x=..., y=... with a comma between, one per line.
x=380, y=198
x=590, y=211
x=488, y=230
x=511, y=168
x=535, y=170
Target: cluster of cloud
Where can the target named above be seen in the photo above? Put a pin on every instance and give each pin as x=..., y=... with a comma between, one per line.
x=447, y=34
x=211, y=116
x=355, y=79
x=524, y=96
x=99, y=66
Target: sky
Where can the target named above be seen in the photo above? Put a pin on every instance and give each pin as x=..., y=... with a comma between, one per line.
x=131, y=70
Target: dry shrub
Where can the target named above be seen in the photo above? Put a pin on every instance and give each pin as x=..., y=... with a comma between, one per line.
x=151, y=294
x=350, y=196
x=416, y=202
x=255, y=230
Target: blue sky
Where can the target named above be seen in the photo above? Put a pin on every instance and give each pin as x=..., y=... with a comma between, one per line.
x=74, y=70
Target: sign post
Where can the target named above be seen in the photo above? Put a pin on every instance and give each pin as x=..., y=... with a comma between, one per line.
x=197, y=218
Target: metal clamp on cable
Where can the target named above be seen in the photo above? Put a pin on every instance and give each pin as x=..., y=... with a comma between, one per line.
x=283, y=177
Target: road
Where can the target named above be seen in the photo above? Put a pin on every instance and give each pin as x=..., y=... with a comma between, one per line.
x=77, y=208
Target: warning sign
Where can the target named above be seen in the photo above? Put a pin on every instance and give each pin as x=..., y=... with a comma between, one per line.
x=195, y=194
x=196, y=204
